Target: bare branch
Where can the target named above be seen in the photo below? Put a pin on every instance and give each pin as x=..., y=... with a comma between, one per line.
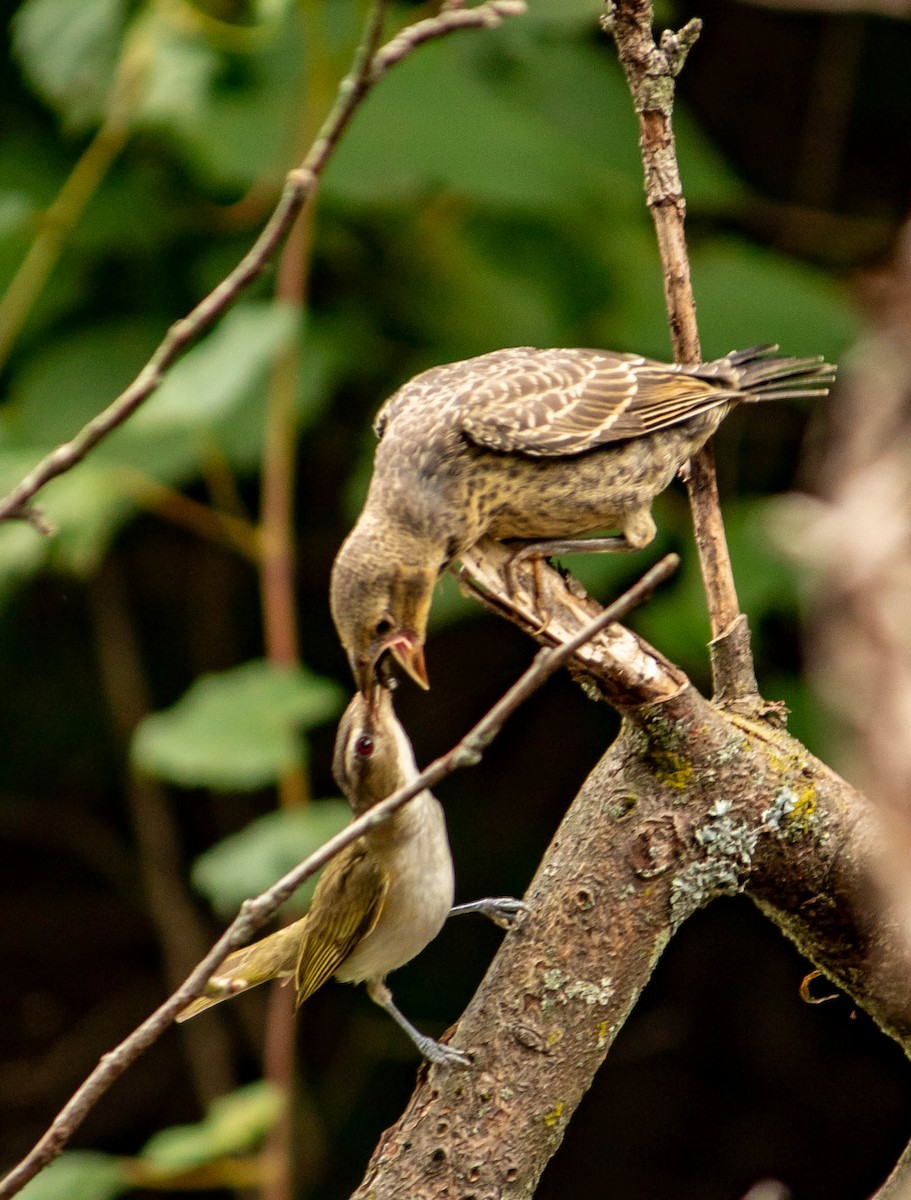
x=650, y=72
x=626, y=670
x=690, y=802
x=256, y=912
x=368, y=68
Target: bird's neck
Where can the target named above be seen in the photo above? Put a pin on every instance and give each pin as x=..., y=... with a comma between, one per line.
x=419, y=824
x=429, y=510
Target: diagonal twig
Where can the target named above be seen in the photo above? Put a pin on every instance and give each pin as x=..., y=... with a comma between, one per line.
x=256, y=912
x=369, y=66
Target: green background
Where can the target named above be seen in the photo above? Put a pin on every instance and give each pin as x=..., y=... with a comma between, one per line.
x=488, y=194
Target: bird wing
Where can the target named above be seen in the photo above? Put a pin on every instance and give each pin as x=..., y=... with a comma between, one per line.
x=346, y=907
x=560, y=402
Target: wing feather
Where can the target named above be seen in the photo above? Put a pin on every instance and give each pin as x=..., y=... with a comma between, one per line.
x=562, y=402
x=346, y=906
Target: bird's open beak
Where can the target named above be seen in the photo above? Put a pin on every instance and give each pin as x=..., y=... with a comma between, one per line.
x=409, y=654
x=372, y=673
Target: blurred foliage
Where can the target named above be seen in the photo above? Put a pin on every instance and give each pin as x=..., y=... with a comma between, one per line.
x=203, y=1155
x=488, y=194
x=234, y=1124
x=238, y=729
x=246, y=863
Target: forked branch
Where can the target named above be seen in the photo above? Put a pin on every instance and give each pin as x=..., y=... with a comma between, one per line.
x=651, y=69
x=254, y=913
x=369, y=66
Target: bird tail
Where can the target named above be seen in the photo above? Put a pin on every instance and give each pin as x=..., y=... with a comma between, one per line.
x=764, y=375
x=273, y=957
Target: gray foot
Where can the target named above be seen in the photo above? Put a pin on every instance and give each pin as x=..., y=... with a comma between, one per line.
x=502, y=910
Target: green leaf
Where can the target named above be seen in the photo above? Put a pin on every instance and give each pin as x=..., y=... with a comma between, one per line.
x=69, y=53
x=234, y=1124
x=23, y=552
x=472, y=139
x=73, y=376
x=86, y=506
x=79, y=1175
x=222, y=370
x=574, y=13
x=16, y=211
x=748, y=294
x=226, y=111
x=237, y=730
x=248, y=862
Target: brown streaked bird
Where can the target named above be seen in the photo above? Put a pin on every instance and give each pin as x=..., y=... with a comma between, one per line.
x=381, y=900
x=533, y=445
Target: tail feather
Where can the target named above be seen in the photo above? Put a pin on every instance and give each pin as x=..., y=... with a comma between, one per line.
x=273, y=957
x=780, y=378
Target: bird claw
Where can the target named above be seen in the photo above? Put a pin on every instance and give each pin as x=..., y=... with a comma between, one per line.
x=542, y=550
x=443, y=1055
x=502, y=910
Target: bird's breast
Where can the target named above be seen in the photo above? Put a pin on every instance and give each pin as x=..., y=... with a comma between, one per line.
x=531, y=498
x=414, y=849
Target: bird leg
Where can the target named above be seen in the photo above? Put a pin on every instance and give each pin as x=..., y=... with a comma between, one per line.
x=548, y=549
x=435, y=1052
x=502, y=910
x=538, y=551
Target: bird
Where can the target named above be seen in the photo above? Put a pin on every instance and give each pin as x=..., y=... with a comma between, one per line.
x=531, y=446
x=381, y=900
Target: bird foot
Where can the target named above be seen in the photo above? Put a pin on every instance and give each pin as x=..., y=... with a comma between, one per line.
x=502, y=910
x=538, y=551
x=442, y=1055
x=548, y=549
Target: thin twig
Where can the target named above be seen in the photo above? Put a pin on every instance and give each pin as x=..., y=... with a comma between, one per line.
x=369, y=67
x=256, y=912
x=650, y=72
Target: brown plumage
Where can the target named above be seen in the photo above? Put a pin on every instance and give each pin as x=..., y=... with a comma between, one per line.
x=526, y=444
x=380, y=901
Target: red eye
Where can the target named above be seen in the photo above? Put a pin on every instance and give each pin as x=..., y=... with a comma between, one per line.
x=364, y=746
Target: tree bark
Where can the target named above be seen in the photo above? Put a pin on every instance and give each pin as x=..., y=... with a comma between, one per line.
x=692, y=801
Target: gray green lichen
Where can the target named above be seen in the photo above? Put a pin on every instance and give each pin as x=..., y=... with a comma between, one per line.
x=728, y=845
x=563, y=990
x=792, y=813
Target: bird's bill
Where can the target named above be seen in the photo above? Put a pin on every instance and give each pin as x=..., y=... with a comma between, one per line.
x=372, y=673
x=409, y=654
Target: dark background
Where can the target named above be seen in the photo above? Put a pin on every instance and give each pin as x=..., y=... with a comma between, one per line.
x=489, y=194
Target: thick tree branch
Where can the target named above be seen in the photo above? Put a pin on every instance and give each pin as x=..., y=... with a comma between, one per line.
x=626, y=670
x=691, y=802
x=369, y=66
x=650, y=72
x=254, y=913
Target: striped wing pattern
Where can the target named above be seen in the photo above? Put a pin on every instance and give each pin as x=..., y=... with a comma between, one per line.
x=346, y=907
x=566, y=402
x=562, y=402
x=559, y=402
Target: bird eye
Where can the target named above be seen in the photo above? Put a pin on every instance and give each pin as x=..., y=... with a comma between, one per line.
x=364, y=746
x=383, y=626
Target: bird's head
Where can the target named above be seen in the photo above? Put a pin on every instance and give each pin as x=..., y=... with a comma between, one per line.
x=373, y=756
x=380, y=604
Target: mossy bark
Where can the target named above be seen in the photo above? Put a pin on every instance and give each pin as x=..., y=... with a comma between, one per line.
x=690, y=802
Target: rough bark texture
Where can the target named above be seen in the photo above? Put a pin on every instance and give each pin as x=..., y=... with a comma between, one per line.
x=691, y=802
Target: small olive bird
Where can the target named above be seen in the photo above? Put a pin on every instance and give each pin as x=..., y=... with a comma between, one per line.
x=381, y=900
x=526, y=444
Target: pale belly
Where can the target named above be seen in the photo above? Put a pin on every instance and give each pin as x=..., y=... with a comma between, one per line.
x=417, y=904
